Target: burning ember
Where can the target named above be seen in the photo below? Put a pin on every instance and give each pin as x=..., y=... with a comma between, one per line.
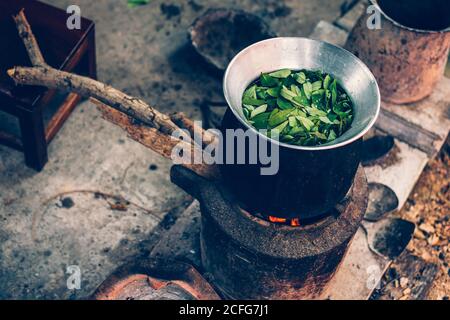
x=295, y=222
x=292, y=222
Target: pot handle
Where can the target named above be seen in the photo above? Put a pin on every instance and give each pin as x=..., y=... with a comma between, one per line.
x=214, y=198
x=187, y=180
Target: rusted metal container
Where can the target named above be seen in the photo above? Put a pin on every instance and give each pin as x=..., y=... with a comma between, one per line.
x=409, y=52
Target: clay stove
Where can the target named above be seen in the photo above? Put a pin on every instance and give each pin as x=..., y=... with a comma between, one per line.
x=247, y=257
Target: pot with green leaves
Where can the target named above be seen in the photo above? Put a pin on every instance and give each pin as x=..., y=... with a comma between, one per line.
x=309, y=103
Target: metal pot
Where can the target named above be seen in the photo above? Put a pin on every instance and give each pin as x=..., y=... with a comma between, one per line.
x=409, y=52
x=310, y=180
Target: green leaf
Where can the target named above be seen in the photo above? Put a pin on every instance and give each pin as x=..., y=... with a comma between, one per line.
x=301, y=101
x=316, y=86
x=326, y=82
x=135, y=3
x=283, y=73
x=315, y=112
x=273, y=92
x=325, y=120
x=279, y=117
x=253, y=102
x=332, y=135
x=281, y=127
x=342, y=109
x=296, y=130
x=249, y=107
x=308, y=124
x=317, y=97
x=287, y=138
x=261, y=93
x=292, y=122
x=260, y=121
x=287, y=94
x=300, y=77
x=319, y=135
x=274, y=111
x=298, y=112
x=284, y=104
x=296, y=90
x=307, y=89
x=333, y=89
x=246, y=113
x=250, y=93
x=259, y=110
x=268, y=81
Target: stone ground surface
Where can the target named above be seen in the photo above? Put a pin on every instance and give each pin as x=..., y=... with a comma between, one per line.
x=72, y=212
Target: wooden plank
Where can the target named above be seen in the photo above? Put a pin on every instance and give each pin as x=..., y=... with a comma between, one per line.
x=408, y=132
x=61, y=116
x=328, y=32
x=431, y=115
x=359, y=274
x=420, y=276
x=400, y=172
x=349, y=19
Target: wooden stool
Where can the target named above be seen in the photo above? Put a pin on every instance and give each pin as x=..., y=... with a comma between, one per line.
x=68, y=50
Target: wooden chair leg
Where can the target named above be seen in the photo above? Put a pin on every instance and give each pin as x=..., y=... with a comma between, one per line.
x=33, y=139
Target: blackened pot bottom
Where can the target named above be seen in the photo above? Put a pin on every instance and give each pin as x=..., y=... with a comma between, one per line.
x=250, y=258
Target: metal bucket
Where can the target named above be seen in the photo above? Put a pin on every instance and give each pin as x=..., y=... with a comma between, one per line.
x=409, y=52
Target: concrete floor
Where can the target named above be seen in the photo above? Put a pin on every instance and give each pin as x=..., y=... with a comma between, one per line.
x=143, y=52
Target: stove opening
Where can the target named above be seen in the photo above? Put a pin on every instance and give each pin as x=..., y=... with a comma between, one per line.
x=295, y=222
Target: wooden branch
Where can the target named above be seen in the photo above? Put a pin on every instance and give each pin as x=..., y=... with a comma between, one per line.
x=29, y=40
x=87, y=87
x=156, y=141
x=180, y=119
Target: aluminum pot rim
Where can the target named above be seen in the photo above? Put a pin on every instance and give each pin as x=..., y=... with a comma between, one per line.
x=398, y=24
x=297, y=147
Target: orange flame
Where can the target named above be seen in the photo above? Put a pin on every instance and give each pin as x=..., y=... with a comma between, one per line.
x=276, y=220
x=293, y=222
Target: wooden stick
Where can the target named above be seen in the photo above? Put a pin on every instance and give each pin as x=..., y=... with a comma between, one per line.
x=156, y=141
x=180, y=119
x=29, y=40
x=87, y=87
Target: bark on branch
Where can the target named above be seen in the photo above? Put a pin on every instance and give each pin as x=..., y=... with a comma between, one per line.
x=29, y=40
x=157, y=141
x=87, y=87
x=180, y=119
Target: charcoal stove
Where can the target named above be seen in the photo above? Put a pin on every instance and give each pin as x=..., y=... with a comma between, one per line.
x=247, y=257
